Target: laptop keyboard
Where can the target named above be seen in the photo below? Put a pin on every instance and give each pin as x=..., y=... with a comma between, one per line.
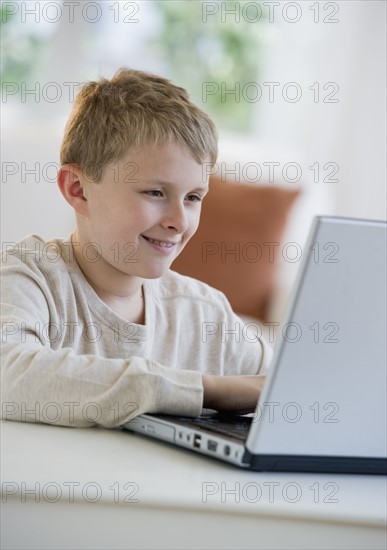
x=233, y=426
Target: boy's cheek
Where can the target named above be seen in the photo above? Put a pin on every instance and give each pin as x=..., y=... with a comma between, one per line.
x=194, y=223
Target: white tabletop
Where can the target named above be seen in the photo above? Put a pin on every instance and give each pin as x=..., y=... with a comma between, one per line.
x=83, y=488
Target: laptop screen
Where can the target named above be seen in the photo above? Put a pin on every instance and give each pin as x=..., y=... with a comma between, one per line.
x=326, y=392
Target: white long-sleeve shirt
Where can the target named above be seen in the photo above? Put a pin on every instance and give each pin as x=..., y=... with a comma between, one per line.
x=68, y=359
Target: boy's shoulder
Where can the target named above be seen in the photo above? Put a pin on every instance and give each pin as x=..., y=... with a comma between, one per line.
x=33, y=249
x=16, y=248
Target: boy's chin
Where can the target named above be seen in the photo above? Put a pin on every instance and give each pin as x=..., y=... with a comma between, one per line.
x=147, y=270
x=155, y=272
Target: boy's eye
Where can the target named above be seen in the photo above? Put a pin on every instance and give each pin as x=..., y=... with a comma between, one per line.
x=194, y=198
x=158, y=193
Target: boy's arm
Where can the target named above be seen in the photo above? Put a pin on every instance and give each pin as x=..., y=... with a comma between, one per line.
x=245, y=358
x=60, y=387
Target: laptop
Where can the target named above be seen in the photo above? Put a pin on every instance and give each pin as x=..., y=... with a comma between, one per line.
x=323, y=405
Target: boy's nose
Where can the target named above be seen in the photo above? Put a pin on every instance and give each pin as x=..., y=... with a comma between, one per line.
x=176, y=218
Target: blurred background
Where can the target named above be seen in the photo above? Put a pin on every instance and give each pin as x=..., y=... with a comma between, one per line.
x=297, y=90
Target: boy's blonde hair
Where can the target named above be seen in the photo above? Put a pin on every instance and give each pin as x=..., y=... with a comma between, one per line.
x=133, y=109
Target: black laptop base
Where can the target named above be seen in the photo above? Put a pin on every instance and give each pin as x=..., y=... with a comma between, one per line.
x=323, y=464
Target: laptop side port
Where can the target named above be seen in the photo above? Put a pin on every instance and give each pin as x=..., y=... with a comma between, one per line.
x=197, y=440
x=227, y=450
x=212, y=445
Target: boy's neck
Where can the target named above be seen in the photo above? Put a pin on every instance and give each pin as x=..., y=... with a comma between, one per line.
x=121, y=292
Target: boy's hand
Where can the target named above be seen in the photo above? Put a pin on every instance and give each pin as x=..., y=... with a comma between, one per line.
x=235, y=394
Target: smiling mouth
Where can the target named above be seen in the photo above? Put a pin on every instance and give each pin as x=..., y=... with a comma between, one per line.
x=165, y=244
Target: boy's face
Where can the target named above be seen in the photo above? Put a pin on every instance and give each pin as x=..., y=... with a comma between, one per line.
x=144, y=210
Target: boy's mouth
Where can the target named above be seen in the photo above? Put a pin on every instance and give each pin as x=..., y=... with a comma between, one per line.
x=164, y=244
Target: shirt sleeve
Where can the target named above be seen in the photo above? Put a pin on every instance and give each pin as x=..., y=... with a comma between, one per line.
x=245, y=350
x=58, y=386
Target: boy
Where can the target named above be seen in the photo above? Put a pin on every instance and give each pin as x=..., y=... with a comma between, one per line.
x=96, y=328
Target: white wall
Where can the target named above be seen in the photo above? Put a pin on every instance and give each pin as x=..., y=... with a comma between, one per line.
x=351, y=132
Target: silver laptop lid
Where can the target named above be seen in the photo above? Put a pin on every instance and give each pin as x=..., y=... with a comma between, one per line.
x=325, y=394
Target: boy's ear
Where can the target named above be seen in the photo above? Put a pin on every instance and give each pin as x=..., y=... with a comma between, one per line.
x=71, y=183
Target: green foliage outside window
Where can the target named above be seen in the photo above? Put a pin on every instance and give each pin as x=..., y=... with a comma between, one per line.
x=212, y=58
x=19, y=53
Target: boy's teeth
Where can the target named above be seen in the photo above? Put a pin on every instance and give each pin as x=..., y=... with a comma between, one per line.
x=160, y=243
